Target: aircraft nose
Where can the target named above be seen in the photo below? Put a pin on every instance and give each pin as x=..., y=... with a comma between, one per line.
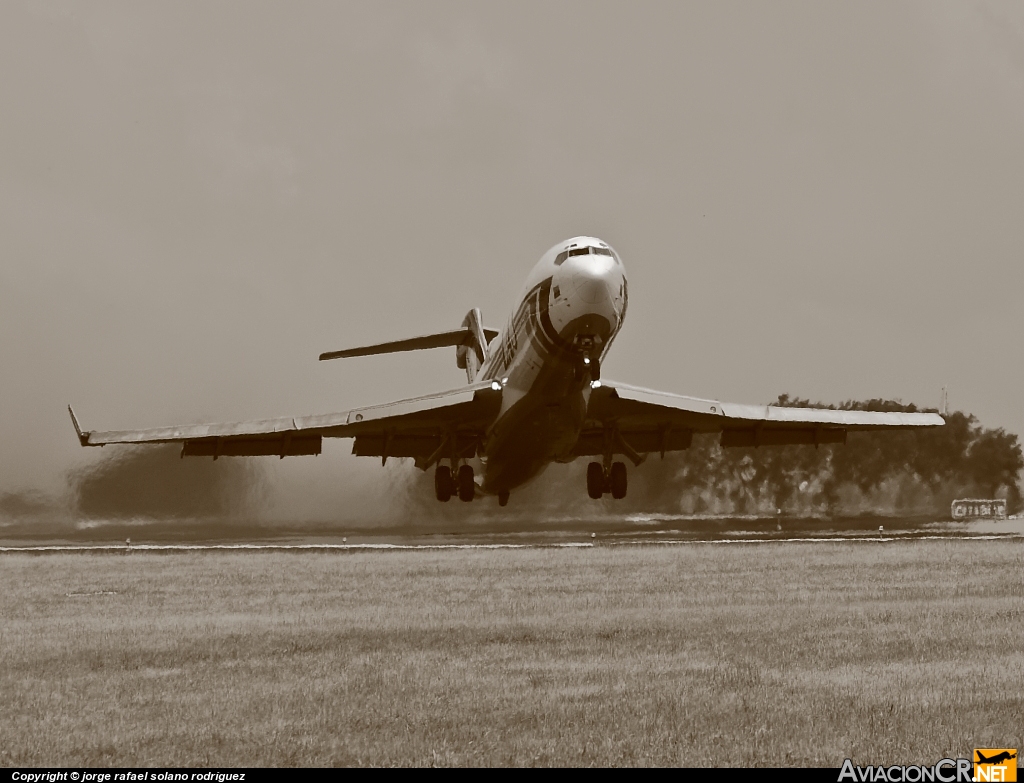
x=594, y=278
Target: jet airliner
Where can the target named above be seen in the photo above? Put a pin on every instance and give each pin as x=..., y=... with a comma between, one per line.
x=535, y=395
x=1004, y=756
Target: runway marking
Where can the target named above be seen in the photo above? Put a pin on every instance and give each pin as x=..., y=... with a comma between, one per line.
x=866, y=538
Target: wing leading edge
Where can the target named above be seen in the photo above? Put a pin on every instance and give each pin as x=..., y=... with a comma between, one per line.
x=639, y=420
x=425, y=428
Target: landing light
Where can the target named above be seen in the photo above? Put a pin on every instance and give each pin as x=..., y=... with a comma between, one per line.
x=496, y=385
x=504, y=381
x=595, y=384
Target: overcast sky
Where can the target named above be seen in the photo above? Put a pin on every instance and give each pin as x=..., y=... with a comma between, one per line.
x=196, y=199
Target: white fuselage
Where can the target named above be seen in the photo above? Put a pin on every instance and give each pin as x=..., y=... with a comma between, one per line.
x=547, y=356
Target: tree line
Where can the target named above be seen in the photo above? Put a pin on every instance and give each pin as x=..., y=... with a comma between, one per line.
x=916, y=471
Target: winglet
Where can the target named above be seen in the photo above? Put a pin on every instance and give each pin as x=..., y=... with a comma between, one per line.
x=83, y=437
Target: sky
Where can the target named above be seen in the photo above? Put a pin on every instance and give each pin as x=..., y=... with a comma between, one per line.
x=197, y=198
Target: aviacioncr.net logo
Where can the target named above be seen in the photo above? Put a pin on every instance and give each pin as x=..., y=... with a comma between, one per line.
x=945, y=771
x=997, y=765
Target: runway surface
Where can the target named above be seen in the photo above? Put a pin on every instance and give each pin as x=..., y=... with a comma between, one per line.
x=635, y=530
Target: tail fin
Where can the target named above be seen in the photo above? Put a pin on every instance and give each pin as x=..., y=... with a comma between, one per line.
x=471, y=355
x=471, y=339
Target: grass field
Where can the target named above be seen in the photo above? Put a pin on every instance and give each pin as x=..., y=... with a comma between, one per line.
x=700, y=654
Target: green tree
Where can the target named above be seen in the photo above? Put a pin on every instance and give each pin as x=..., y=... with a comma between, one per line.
x=957, y=457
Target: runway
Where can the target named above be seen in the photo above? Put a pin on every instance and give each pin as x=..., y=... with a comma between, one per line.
x=565, y=533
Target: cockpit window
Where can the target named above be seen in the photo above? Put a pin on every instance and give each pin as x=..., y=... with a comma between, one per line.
x=583, y=251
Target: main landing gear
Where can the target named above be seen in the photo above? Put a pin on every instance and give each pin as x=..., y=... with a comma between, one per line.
x=443, y=484
x=599, y=482
x=462, y=484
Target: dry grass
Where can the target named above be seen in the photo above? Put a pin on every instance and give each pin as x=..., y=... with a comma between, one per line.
x=772, y=654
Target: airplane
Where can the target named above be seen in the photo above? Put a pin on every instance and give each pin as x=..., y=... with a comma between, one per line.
x=535, y=395
x=1004, y=756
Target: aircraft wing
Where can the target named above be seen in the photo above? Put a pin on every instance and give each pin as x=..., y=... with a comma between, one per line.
x=446, y=424
x=642, y=420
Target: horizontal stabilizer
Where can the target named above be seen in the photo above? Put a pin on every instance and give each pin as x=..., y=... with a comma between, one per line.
x=463, y=336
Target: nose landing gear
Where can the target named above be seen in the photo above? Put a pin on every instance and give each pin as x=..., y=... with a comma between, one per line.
x=585, y=366
x=587, y=362
x=599, y=482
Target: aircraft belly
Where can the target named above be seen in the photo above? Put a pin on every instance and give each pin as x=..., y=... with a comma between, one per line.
x=537, y=430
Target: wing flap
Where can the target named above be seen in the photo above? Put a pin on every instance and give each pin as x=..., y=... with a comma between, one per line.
x=282, y=446
x=420, y=446
x=782, y=436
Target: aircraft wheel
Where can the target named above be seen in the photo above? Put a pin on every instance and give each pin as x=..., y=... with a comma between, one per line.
x=467, y=487
x=618, y=480
x=503, y=498
x=595, y=370
x=443, y=483
x=595, y=480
